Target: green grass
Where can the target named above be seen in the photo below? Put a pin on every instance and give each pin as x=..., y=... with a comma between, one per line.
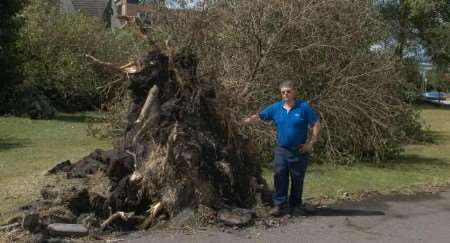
x=29, y=147
x=420, y=166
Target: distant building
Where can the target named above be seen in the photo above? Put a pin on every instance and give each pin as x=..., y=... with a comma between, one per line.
x=108, y=10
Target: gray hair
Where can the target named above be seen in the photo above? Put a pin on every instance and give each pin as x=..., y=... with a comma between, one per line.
x=287, y=84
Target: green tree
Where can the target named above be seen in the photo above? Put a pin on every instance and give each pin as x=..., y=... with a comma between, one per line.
x=9, y=65
x=424, y=22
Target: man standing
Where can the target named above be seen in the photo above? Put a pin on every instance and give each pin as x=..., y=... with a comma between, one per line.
x=291, y=117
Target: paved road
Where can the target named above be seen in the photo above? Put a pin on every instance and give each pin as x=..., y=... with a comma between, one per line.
x=420, y=218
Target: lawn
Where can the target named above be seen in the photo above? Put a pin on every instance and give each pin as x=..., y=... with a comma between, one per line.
x=29, y=147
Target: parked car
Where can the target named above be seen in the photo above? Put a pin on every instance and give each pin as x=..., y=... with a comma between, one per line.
x=436, y=98
x=435, y=95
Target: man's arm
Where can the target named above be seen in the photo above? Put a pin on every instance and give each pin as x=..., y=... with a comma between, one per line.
x=265, y=115
x=307, y=147
x=315, y=133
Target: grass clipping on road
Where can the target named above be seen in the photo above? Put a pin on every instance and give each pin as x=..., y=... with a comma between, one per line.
x=29, y=147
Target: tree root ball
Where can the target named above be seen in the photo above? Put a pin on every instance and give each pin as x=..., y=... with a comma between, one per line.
x=175, y=155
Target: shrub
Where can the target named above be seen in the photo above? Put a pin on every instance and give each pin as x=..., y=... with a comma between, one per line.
x=53, y=48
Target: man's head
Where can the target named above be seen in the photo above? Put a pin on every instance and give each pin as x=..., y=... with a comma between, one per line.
x=287, y=90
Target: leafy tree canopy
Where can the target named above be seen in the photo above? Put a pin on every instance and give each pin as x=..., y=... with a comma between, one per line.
x=424, y=22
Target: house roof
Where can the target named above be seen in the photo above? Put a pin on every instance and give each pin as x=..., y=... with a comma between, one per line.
x=90, y=7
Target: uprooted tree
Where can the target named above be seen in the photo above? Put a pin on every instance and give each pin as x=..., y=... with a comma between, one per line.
x=174, y=155
x=326, y=47
x=181, y=152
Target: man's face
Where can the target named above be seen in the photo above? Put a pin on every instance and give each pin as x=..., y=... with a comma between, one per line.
x=287, y=93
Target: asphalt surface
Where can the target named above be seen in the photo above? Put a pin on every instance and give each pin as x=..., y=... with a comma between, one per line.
x=421, y=218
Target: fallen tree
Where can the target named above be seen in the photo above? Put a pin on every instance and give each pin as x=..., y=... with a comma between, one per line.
x=327, y=47
x=174, y=158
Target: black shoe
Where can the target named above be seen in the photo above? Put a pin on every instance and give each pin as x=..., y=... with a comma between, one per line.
x=297, y=211
x=302, y=210
x=278, y=211
x=308, y=208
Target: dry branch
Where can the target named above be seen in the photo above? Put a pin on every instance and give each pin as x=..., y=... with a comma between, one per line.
x=322, y=45
x=118, y=215
x=128, y=68
x=9, y=227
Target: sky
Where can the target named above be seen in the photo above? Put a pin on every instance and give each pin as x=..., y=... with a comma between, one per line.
x=175, y=3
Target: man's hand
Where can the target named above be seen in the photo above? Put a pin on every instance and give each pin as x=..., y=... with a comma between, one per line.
x=245, y=121
x=306, y=148
x=250, y=120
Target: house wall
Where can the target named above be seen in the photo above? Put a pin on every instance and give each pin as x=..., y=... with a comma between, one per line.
x=133, y=9
x=66, y=6
x=90, y=7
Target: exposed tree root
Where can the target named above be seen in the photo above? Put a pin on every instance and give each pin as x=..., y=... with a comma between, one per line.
x=154, y=212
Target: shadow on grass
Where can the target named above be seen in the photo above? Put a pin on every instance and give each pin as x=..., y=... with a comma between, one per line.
x=344, y=212
x=413, y=160
x=427, y=106
x=81, y=118
x=437, y=137
x=8, y=143
x=405, y=163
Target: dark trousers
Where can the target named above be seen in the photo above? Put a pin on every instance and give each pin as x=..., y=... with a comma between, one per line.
x=289, y=162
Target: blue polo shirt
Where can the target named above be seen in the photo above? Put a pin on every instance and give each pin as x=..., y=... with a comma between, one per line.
x=292, y=126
